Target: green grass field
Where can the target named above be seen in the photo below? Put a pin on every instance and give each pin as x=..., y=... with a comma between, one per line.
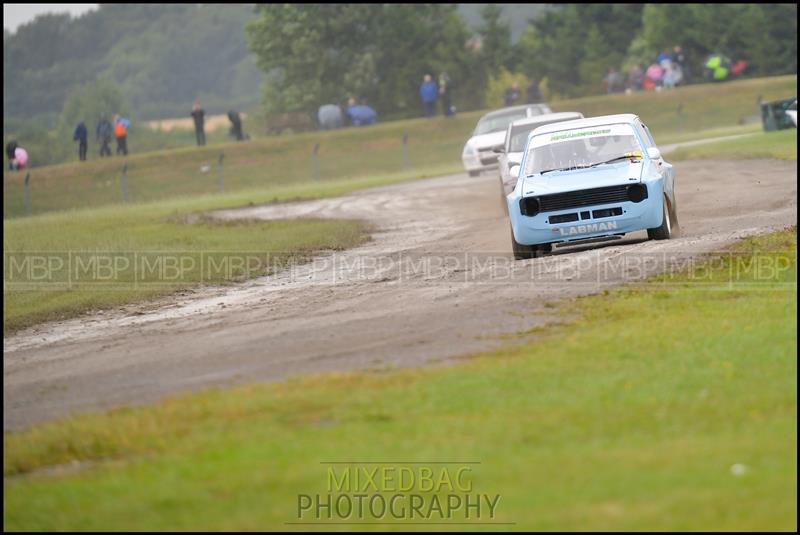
x=434, y=147
x=153, y=233
x=665, y=405
x=780, y=145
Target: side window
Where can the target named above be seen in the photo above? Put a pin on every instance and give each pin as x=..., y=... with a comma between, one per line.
x=648, y=136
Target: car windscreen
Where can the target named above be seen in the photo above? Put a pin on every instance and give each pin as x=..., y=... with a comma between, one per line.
x=497, y=123
x=580, y=148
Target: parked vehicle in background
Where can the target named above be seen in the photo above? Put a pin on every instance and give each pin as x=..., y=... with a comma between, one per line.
x=792, y=112
x=590, y=178
x=510, y=154
x=478, y=154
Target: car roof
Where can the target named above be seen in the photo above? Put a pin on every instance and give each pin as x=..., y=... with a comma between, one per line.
x=547, y=117
x=583, y=123
x=510, y=109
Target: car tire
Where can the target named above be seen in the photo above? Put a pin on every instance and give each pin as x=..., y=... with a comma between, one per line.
x=676, y=226
x=474, y=173
x=524, y=252
x=663, y=231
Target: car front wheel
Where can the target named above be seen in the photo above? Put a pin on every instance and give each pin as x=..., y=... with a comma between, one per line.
x=664, y=231
x=523, y=252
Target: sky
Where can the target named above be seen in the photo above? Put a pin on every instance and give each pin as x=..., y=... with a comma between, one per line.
x=16, y=14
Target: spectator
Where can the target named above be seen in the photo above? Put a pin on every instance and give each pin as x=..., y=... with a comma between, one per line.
x=654, y=75
x=635, y=78
x=121, y=126
x=532, y=92
x=20, y=160
x=680, y=58
x=104, y=133
x=613, y=81
x=717, y=68
x=11, y=148
x=672, y=74
x=198, y=114
x=236, y=125
x=360, y=114
x=81, y=135
x=329, y=117
x=512, y=94
x=444, y=91
x=428, y=91
x=664, y=56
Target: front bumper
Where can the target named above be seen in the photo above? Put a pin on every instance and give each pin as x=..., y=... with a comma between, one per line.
x=480, y=161
x=592, y=221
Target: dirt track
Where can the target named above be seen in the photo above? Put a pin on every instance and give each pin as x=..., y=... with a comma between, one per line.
x=435, y=282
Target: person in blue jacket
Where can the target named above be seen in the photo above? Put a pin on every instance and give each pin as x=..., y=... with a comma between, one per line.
x=360, y=114
x=428, y=90
x=81, y=135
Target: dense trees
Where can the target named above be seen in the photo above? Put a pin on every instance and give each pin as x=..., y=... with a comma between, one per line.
x=574, y=46
x=317, y=54
x=763, y=34
x=162, y=56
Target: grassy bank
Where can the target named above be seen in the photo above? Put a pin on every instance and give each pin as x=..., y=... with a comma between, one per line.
x=669, y=405
x=152, y=254
x=780, y=145
x=433, y=146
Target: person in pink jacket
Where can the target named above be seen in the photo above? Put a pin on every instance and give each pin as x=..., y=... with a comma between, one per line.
x=20, y=160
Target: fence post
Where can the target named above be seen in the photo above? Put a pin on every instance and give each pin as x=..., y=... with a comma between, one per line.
x=27, y=194
x=221, y=173
x=315, y=161
x=406, y=163
x=124, y=182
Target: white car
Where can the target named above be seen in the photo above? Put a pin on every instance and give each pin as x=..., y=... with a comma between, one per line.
x=510, y=154
x=478, y=154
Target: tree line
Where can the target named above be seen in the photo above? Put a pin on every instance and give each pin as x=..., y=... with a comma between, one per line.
x=319, y=54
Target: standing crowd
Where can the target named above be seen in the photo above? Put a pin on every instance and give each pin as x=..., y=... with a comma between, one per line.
x=104, y=132
x=669, y=69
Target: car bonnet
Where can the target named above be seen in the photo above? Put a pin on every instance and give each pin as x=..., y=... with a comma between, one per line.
x=624, y=172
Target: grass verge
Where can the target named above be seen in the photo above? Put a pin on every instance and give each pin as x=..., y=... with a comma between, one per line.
x=116, y=256
x=780, y=145
x=668, y=405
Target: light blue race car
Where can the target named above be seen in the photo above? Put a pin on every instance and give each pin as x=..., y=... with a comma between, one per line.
x=590, y=178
